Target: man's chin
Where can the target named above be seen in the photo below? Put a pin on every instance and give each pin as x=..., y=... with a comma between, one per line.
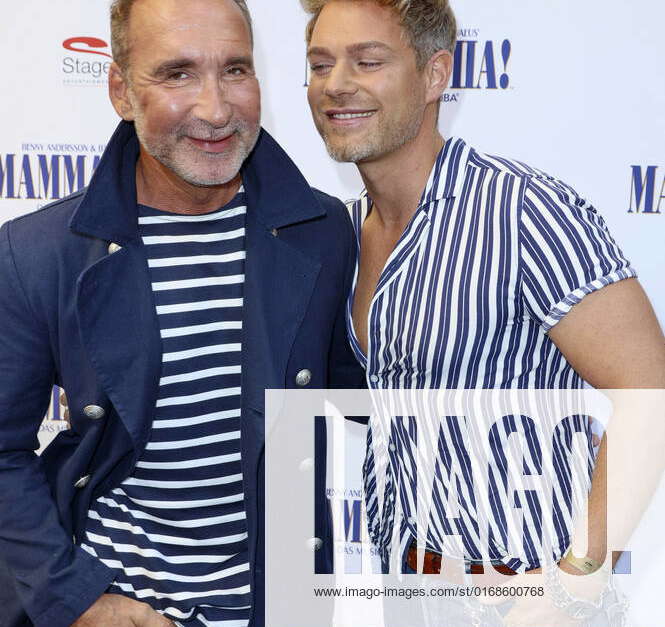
x=206, y=176
x=208, y=172
x=211, y=181
x=349, y=154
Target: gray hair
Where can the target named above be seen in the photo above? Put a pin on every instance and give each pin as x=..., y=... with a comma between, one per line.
x=430, y=25
x=120, y=11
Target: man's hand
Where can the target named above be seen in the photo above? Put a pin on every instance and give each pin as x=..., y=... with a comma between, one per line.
x=115, y=610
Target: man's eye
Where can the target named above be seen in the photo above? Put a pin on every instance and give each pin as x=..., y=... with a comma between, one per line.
x=178, y=76
x=237, y=71
x=369, y=65
x=320, y=68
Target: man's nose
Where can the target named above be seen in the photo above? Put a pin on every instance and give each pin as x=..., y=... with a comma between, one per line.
x=212, y=104
x=340, y=81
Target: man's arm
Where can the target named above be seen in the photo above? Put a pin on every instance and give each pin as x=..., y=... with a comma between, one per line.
x=54, y=580
x=579, y=287
x=613, y=340
x=577, y=284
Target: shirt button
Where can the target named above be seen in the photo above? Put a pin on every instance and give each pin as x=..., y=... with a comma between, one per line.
x=82, y=482
x=374, y=378
x=412, y=521
x=94, y=412
x=314, y=544
x=392, y=447
x=303, y=378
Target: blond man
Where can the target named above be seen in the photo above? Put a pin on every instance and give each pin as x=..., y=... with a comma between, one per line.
x=474, y=271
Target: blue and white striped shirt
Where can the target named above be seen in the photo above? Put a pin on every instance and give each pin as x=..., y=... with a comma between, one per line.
x=494, y=256
x=175, y=530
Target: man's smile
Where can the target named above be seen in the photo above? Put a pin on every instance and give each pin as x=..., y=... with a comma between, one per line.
x=214, y=146
x=348, y=117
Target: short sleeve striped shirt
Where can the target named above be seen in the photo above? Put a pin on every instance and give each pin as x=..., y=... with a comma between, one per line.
x=494, y=256
x=175, y=531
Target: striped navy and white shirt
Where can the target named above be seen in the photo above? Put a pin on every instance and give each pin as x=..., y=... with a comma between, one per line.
x=495, y=255
x=175, y=530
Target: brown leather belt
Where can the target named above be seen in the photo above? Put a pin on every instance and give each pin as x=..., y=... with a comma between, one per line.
x=432, y=563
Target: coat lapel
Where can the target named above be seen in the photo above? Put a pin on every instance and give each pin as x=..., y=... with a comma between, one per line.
x=120, y=331
x=115, y=308
x=279, y=279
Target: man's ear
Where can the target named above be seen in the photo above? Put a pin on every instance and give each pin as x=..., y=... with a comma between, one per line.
x=118, y=93
x=438, y=71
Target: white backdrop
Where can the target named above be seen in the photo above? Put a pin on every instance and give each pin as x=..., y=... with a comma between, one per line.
x=584, y=101
x=575, y=88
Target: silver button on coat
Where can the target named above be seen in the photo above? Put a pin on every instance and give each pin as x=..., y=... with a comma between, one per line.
x=82, y=482
x=114, y=248
x=94, y=412
x=315, y=543
x=303, y=378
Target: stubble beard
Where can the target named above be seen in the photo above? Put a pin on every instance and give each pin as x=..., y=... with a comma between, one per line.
x=192, y=165
x=383, y=139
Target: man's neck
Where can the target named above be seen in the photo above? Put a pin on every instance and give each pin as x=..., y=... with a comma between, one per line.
x=159, y=187
x=395, y=181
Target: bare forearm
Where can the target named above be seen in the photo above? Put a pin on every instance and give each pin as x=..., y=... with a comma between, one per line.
x=628, y=469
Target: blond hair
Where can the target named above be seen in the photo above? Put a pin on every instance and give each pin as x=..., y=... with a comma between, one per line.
x=430, y=25
x=120, y=11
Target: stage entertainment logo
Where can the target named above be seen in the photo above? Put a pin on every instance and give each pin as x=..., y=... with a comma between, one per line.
x=479, y=64
x=647, y=189
x=87, y=62
x=47, y=171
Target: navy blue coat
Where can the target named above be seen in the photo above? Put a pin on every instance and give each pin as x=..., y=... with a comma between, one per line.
x=74, y=315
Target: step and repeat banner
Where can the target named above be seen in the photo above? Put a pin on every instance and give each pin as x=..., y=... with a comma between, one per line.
x=573, y=88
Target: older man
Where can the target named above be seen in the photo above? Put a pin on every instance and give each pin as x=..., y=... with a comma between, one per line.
x=474, y=271
x=197, y=270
